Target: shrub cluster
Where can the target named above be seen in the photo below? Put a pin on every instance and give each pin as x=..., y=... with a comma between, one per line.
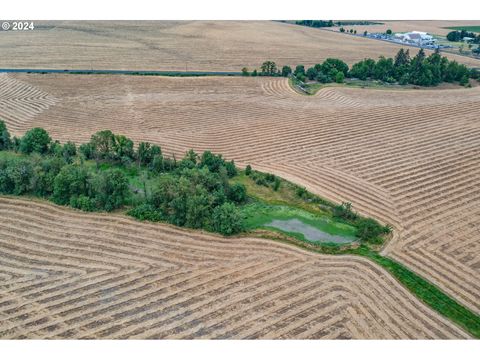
x=328, y=71
x=368, y=229
x=307, y=196
x=263, y=179
x=195, y=196
x=66, y=184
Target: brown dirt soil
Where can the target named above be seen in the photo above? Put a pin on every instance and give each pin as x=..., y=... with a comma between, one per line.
x=68, y=274
x=181, y=45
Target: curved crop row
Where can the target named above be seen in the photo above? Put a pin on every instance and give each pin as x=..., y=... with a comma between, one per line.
x=126, y=279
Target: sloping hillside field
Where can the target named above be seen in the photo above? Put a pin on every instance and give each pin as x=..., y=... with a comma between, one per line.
x=187, y=45
x=410, y=158
x=434, y=27
x=67, y=274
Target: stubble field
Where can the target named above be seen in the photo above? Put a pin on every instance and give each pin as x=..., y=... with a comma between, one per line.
x=435, y=27
x=406, y=157
x=66, y=274
x=183, y=45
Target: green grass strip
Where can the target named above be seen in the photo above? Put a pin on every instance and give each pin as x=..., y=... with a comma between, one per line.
x=424, y=290
x=427, y=292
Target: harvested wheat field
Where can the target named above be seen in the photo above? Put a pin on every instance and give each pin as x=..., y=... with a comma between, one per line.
x=407, y=157
x=183, y=45
x=434, y=27
x=67, y=274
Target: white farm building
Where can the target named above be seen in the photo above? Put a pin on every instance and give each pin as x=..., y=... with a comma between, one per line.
x=416, y=38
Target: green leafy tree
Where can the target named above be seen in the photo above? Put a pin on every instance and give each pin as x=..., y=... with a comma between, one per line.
x=123, y=148
x=35, y=140
x=331, y=66
x=436, y=65
x=211, y=161
x=311, y=73
x=299, y=70
x=146, y=153
x=110, y=189
x=384, y=69
x=237, y=193
x=5, y=141
x=464, y=80
x=322, y=78
x=369, y=229
x=286, y=71
x=402, y=58
x=16, y=177
x=192, y=156
x=454, y=36
x=420, y=74
x=245, y=72
x=345, y=211
x=388, y=32
x=460, y=35
x=69, y=151
x=55, y=148
x=363, y=69
x=71, y=181
x=276, y=183
x=103, y=145
x=340, y=77
x=87, y=151
x=227, y=220
x=198, y=209
x=45, y=171
x=269, y=68
x=248, y=170
x=231, y=168
x=83, y=202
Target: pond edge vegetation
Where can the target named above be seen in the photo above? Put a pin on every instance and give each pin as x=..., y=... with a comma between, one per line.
x=196, y=192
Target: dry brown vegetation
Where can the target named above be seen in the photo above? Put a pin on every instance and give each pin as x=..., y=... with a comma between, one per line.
x=67, y=274
x=435, y=27
x=406, y=157
x=182, y=45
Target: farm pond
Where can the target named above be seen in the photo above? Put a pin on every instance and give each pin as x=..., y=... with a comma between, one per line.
x=309, y=232
x=298, y=223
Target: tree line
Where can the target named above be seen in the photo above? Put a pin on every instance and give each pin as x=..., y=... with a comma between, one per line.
x=459, y=35
x=192, y=192
x=403, y=69
x=331, y=23
x=109, y=173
